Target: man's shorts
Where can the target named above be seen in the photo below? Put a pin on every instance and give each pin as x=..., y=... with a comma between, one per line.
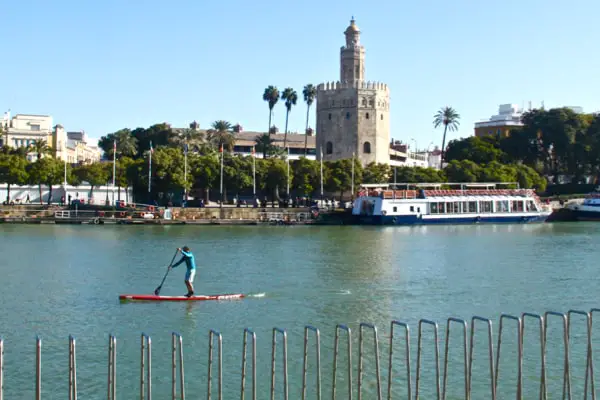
x=189, y=275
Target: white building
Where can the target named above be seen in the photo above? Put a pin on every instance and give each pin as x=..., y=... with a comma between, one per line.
x=25, y=130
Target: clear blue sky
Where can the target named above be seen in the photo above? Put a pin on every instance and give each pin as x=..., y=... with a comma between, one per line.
x=101, y=66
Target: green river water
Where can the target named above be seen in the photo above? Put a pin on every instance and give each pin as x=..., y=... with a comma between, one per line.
x=62, y=280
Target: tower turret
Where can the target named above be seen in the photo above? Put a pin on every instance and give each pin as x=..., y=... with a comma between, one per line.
x=352, y=56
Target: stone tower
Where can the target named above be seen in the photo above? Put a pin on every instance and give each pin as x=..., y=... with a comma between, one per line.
x=353, y=114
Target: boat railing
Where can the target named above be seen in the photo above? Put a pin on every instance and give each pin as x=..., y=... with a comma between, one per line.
x=475, y=362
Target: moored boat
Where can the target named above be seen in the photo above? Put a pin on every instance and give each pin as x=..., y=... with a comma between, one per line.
x=428, y=204
x=589, y=209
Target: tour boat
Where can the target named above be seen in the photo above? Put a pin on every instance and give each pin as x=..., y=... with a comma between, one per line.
x=416, y=205
x=589, y=210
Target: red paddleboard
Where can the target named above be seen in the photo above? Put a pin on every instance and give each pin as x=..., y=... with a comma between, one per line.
x=151, y=297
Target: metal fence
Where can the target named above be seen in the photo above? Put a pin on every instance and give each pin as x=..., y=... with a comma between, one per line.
x=399, y=334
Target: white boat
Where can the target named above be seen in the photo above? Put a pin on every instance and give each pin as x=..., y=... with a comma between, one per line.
x=589, y=209
x=427, y=203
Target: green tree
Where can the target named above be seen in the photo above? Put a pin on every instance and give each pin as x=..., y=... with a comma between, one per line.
x=264, y=144
x=205, y=171
x=306, y=175
x=127, y=144
x=193, y=138
x=271, y=96
x=339, y=176
x=310, y=93
x=237, y=173
x=13, y=171
x=96, y=174
x=275, y=176
x=448, y=117
x=40, y=148
x=221, y=134
x=48, y=171
x=291, y=97
x=480, y=150
x=462, y=171
x=376, y=173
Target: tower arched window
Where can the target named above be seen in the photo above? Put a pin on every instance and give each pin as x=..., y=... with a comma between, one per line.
x=347, y=115
x=364, y=102
x=329, y=148
x=329, y=116
x=367, y=115
x=382, y=116
x=367, y=148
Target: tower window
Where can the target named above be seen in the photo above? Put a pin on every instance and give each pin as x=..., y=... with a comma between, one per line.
x=371, y=103
x=364, y=102
x=367, y=148
x=347, y=115
x=329, y=148
x=382, y=117
x=367, y=115
x=330, y=116
x=357, y=70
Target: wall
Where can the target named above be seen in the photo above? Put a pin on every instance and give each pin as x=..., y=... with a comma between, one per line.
x=19, y=193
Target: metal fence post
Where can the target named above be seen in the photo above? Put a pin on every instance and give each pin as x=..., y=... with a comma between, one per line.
x=519, y=352
x=491, y=354
x=543, y=392
x=72, y=370
x=335, y=355
x=360, y=358
x=177, y=342
x=246, y=332
x=463, y=323
x=305, y=364
x=566, y=373
x=146, y=357
x=112, y=367
x=437, y=357
x=589, y=364
x=1, y=368
x=38, y=368
x=211, y=336
x=285, y=369
x=407, y=349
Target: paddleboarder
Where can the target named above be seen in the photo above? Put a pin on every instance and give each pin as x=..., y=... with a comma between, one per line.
x=190, y=262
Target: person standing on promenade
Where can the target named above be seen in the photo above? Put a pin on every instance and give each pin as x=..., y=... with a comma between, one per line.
x=190, y=262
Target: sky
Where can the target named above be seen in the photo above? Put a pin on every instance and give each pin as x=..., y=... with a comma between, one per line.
x=112, y=64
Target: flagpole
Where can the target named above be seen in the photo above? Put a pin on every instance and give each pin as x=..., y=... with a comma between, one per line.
x=114, y=169
x=288, y=172
x=185, y=151
x=353, y=154
x=222, y=158
x=321, y=173
x=150, y=171
x=253, y=172
x=65, y=180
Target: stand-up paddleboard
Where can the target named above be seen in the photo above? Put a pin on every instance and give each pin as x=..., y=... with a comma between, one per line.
x=151, y=297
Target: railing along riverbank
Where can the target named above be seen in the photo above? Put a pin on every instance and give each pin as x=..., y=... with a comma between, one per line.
x=470, y=332
x=156, y=216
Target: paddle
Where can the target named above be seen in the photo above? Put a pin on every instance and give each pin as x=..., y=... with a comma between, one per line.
x=157, y=291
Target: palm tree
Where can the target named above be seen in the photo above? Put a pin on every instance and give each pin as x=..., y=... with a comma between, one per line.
x=291, y=97
x=264, y=143
x=40, y=147
x=221, y=134
x=310, y=92
x=193, y=138
x=127, y=144
x=448, y=117
x=271, y=95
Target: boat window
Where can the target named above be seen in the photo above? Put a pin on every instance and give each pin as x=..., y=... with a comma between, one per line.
x=434, y=208
x=502, y=206
x=395, y=209
x=472, y=206
x=412, y=208
x=464, y=207
x=418, y=209
x=485, y=206
x=517, y=206
x=450, y=208
x=530, y=205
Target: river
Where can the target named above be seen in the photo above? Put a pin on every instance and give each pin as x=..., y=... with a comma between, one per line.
x=58, y=281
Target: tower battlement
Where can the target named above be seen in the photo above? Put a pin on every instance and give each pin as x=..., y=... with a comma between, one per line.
x=337, y=85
